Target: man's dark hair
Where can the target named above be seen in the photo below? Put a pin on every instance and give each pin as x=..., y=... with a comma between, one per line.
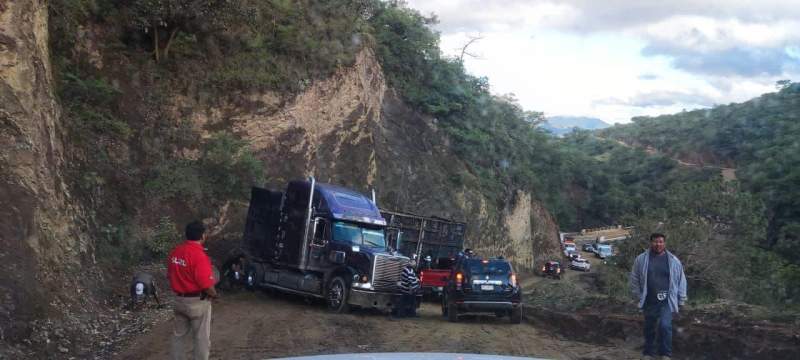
x=654, y=236
x=195, y=230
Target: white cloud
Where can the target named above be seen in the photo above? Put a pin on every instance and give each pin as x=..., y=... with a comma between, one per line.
x=661, y=98
x=707, y=34
x=478, y=15
x=654, y=57
x=595, y=15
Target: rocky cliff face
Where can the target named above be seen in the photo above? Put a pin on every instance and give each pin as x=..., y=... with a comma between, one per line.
x=353, y=130
x=41, y=241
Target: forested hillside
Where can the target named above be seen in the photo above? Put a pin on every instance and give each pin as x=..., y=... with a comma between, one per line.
x=759, y=139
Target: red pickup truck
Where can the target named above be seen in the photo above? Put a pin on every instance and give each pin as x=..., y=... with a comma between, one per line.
x=434, y=278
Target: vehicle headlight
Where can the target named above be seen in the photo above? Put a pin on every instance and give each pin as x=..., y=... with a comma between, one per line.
x=362, y=285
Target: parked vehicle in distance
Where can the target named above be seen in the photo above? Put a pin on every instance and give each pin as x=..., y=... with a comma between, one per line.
x=611, y=260
x=482, y=286
x=569, y=249
x=552, y=269
x=604, y=251
x=588, y=247
x=580, y=263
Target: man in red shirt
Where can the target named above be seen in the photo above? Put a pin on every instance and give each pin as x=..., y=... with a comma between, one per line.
x=191, y=278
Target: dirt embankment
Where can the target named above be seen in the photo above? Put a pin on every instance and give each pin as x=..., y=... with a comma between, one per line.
x=695, y=336
x=698, y=161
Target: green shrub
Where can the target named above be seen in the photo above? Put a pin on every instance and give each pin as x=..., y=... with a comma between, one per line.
x=560, y=296
x=164, y=238
x=90, y=104
x=117, y=246
x=225, y=170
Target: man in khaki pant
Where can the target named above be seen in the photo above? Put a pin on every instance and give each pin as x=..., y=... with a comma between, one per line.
x=191, y=278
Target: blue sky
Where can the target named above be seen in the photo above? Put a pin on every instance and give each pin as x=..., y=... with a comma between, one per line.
x=617, y=59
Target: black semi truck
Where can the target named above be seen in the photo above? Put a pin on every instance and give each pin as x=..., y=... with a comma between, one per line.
x=322, y=241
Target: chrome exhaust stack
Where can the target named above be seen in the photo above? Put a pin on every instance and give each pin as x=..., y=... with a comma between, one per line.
x=309, y=210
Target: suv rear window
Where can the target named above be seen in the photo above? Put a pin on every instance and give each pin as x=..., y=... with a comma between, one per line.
x=477, y=267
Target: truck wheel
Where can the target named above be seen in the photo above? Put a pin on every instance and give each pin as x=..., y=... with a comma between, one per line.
x=452, y=312
x=337, y=295
x=516, y=315
x=254, y=276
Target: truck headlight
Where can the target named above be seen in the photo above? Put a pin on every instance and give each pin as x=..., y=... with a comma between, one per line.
x=362, y=285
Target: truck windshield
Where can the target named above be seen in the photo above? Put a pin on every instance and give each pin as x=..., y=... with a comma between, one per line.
x=353, y=234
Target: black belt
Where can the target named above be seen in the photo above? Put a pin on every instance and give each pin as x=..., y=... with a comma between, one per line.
x=193, y=294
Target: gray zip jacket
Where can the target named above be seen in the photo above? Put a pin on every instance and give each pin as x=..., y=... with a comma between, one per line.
x=677, y=280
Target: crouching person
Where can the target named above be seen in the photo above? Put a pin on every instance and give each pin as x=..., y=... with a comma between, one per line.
x=142, y=287
x=233, y=273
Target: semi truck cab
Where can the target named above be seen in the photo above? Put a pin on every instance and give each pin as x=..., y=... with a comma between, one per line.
x=324, y=241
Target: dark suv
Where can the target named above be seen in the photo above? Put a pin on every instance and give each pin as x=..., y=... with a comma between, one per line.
x=482, y=286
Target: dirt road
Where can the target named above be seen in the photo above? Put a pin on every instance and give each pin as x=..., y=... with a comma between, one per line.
x=259, y=326
x=255, y=325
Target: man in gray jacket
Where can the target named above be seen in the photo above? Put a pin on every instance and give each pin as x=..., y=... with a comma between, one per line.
x=658, y=283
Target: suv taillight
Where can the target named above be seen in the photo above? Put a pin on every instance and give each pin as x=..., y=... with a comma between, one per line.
x=459, y=280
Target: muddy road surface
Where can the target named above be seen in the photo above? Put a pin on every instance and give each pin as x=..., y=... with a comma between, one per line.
x=259, y=326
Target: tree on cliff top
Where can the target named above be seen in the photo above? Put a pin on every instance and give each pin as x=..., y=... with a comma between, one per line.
x=202, y=17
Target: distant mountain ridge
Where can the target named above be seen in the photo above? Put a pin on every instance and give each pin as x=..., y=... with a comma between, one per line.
x=560, y=125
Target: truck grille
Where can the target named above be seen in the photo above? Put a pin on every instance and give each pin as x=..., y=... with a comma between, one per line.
x=387, y=272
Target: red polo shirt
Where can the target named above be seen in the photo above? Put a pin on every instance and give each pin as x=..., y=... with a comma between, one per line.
x=189, y=268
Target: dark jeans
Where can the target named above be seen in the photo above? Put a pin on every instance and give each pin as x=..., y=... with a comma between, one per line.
x=658, y=314
x=408, y=306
